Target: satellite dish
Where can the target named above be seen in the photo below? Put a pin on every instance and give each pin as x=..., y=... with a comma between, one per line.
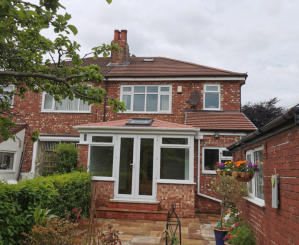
x=194, y=98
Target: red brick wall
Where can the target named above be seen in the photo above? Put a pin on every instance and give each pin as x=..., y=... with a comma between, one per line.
x=29, y=109
x=277, y=226
x=183, y=196
x=105, y=192
x=204, y=204
x=82, y=155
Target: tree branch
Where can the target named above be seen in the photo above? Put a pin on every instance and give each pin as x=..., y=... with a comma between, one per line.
x=39, y=75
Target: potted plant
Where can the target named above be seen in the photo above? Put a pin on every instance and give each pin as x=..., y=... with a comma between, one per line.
x=230, y=191
x=244, y=171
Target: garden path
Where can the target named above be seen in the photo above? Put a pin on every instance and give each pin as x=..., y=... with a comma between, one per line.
x=195, y=231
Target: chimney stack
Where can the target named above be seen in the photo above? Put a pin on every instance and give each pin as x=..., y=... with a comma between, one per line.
x=120, y=38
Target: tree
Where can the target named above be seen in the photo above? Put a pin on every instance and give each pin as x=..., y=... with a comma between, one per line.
x=24, y=63
x=263, y=112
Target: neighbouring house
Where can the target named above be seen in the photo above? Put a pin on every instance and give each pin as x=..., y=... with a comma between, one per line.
x=179, y=119
x=276, y=148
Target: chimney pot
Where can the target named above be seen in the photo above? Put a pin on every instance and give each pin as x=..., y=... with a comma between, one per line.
x=123, y=35
x=116, y=35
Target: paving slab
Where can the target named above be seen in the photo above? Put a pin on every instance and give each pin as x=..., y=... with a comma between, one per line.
x=145, y=240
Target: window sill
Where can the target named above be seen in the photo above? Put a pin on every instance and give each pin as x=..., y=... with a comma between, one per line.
x=169, y=181
x=73, y=112
x=97, y=178
x=257, y=201
x=209, y=172
x=142, y=112
x=9, y=171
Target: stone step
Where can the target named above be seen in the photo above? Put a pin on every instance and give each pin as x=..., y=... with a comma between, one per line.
x=119, y=213
x=134, y=206
x=146, y=240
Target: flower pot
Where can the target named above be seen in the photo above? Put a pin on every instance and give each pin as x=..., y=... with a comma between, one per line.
x=219, y=235
x=242, y=176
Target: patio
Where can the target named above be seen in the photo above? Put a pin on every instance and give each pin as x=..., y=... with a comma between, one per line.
x=195, y=231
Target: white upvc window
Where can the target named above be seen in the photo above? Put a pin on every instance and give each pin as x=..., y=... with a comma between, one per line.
x=176, y=159
x=146, y=98
x=212, y=155
x=6, y=95
x=211, y=100
x=65, y=106
x=101, y=156
x=6, y=161
x=256, y=185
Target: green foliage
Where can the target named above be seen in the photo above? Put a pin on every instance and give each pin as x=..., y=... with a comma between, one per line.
x=241, y=234
x=59, y=193
x=40, y=215
x=23, y=48
x=67, y=155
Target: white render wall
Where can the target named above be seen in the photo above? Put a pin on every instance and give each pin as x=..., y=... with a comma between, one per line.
x=13, y=146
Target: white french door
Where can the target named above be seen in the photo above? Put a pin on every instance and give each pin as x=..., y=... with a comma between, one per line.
x=136, y=168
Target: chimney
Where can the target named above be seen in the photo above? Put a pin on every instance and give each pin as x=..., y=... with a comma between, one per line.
x=120, y=38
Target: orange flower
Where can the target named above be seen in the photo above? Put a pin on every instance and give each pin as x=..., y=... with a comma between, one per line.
x=238, y=163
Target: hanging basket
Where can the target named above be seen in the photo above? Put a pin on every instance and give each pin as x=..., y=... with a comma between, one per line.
x=223, y=173
x=242, y=176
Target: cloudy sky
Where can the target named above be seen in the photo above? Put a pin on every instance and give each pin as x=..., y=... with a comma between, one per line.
x=260, y=37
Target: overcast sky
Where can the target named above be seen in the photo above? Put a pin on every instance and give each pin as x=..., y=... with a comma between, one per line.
x=260, y=37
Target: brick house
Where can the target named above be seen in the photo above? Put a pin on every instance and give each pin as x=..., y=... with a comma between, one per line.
x=179, y=120
x=276, y=145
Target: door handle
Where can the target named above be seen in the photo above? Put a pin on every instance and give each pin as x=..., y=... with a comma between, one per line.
x=132, y=164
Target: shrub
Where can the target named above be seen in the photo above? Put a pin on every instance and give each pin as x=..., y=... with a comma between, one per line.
x=241, y=234
x=59, y=193
x=67, y=155
x=52, y=232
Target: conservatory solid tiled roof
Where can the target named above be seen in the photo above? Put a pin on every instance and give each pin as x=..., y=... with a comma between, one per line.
x=235, y=121
x=123, y=122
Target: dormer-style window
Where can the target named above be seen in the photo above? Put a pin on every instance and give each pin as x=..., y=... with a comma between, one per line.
x=146, y=98
x=65, y=106
x=211, y=97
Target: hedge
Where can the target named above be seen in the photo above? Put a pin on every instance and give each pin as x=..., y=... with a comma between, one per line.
x=59, y=193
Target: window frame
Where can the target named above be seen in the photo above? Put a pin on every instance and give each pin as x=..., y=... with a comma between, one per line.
x=7, y=89
x=159, y=93
x=113, y=144
x=204, y=96
x=13, y=162
x=52, y=110
x=189, y=146
x=252, y=196
x=221, y=157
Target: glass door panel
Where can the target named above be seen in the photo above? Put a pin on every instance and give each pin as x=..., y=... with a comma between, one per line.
x=146, y=166
x=126, y=166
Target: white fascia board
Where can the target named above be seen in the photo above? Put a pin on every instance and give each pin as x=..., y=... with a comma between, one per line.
x=58, y=138
x=137, y=130
x=240, y=78
x=222, y=133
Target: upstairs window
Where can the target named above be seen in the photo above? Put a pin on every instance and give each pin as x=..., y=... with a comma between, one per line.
x=146, y=98
x=211, y=97
x=6, y=95
x=66, y=105
x=211, y=155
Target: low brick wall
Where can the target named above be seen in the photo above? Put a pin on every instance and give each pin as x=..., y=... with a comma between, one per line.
x=105, y=192
x=183, y=196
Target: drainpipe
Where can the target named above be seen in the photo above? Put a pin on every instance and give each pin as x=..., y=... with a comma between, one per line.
x=105, y=99
x=200, y=137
